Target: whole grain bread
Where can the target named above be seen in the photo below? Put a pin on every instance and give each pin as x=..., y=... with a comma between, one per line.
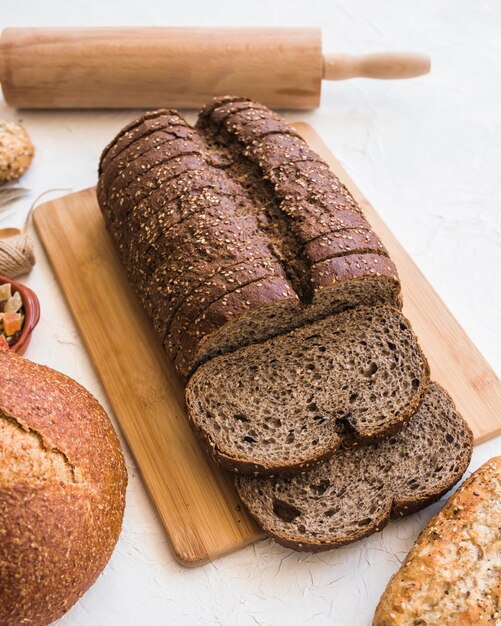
x=148, y=123
x=215, y=288
x=358, y=490
x=340, y=283
x=253, y=313
x=62, y=491
x=451, y=577
x=241, y=186
x=283, y=405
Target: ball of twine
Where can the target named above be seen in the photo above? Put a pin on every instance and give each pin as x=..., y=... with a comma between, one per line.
x=16, y=255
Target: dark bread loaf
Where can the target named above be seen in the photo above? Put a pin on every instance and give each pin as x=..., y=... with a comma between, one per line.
x=358, y=490
x=62, y=491
x=280, y=406
x=242, y=189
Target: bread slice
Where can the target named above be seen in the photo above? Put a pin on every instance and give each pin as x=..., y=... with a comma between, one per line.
x=451, y=577
x=358, y=490
x=283, y=405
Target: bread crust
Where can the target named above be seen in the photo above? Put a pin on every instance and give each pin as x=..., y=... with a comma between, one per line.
x=156, y=141
x=16, y=151
x=351, y=267
x=452, y=574
x=148, y=123
x=160, y=197
x=220, y=285
x=344, y=242
x=57, y=529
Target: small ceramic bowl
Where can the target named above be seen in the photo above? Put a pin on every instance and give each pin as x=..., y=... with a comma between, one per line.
x=31, y=307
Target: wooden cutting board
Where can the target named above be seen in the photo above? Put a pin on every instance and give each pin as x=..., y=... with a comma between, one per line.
x=194, y=498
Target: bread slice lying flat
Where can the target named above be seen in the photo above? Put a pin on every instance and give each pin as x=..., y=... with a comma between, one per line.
x=279, y=407
x=358, y=490
x=451, y=577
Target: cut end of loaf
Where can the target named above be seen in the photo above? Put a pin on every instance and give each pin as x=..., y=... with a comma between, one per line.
x=281, y=406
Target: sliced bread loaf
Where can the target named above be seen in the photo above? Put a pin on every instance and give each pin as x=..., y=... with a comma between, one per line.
x=176, y=198
x=281, y=406
x=357, y=491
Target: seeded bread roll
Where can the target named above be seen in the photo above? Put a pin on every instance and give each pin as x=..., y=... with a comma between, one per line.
x=16, y=151
x=359, y=374
x=451, y=577
x=358, y=490
x=62, y=491
x=242, y=189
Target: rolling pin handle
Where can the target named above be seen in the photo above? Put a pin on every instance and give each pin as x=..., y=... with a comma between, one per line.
x=386, y=65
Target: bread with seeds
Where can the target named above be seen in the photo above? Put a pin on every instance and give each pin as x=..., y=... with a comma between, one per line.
x=150, y=122
x=219, y=208
x=16, y=151
x=158, y=144
x=216, y=287
x=451, y=577
x=344, y=242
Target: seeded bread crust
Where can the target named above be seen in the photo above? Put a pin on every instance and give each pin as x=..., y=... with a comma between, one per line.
x=16, y=151
x=159, y=144
x=173, y=282
x=351, y=267
x=344, y=242
x=452, y=575
x=148, y=123
x=201, y=230
x=154, y=163
x=241, y=186
x=213, y=289
x=358, y=490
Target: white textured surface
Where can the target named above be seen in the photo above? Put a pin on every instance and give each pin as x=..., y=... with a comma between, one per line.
x=426, y=152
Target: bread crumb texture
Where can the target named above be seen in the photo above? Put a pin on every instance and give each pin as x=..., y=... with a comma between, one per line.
x=16, y=151
x=452, y=575
x=62, y=491
x=358, y=490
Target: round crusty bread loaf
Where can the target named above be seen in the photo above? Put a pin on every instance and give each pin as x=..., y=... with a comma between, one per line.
x=62, y=491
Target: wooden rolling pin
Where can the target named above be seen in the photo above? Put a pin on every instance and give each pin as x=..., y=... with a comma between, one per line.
x=179, y=67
